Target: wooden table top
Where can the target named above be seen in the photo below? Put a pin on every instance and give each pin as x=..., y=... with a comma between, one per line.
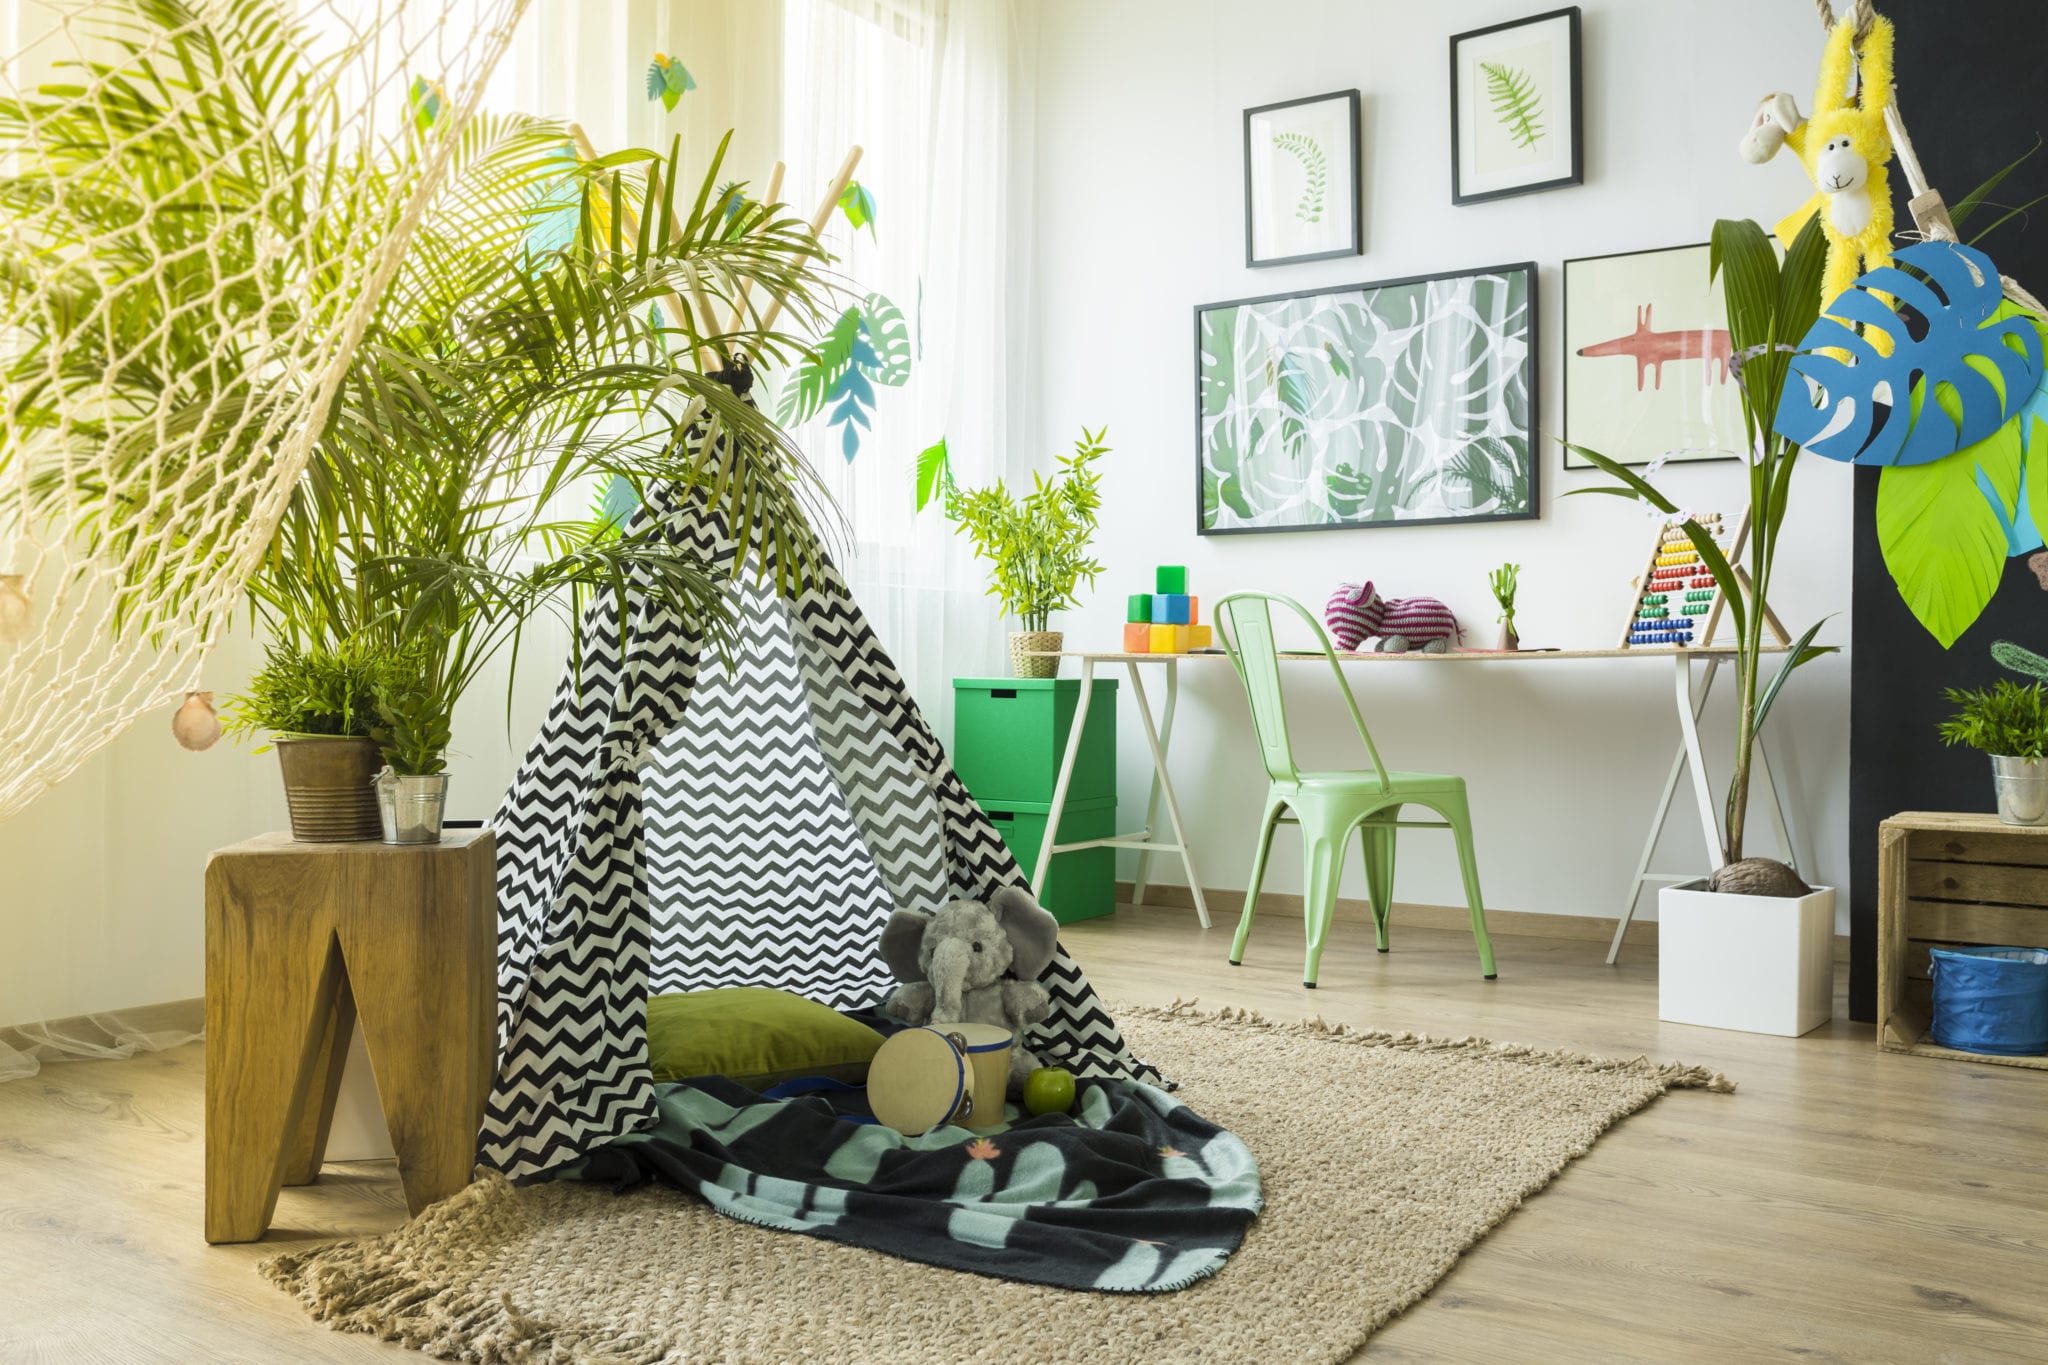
x=281, y=841
x=1455, y=657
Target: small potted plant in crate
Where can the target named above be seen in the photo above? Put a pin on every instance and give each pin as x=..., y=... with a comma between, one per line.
x=1037, y=547
x=2009, y=724
x=318, y=705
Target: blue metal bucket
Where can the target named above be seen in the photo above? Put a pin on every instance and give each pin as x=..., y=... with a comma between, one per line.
x=1991, y=1000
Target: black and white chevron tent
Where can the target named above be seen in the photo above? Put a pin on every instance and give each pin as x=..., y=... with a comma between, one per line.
x=685, y=822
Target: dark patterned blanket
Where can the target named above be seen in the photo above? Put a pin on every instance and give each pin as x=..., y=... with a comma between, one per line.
x=1138, y=1195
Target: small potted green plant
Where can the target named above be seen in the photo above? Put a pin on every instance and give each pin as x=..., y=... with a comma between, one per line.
x=2009, y=723
x=1037, y=547
x=413, y=728
x=318, y=706
x=1502, y=581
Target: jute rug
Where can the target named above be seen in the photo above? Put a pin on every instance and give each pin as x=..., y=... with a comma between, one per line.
x=1383, y=1157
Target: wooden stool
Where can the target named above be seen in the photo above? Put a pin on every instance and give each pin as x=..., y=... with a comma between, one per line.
x=301, y=940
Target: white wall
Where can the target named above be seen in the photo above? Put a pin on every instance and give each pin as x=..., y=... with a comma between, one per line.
x=1140, y=217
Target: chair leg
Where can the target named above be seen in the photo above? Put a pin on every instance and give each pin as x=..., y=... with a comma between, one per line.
x=1460, y=817
x=1377, y=846
x=1322, y=865
x=1267, y=824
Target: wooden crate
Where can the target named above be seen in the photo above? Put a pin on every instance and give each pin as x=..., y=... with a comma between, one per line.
x=1950, y=879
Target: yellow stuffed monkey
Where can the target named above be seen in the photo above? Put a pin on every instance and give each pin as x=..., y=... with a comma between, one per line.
x=1845, y=147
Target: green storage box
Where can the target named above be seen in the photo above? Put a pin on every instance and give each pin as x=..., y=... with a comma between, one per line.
x=1009, y=735
x=1083, y=883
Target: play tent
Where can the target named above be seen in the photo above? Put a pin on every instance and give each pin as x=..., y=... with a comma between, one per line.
x=685, y=822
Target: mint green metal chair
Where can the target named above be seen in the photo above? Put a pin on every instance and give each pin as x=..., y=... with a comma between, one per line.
x=1331, y=806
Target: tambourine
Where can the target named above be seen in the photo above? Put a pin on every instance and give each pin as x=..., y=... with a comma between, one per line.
x=922, y=1078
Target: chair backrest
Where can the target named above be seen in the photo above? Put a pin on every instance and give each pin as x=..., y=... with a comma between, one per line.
x=1244, y=622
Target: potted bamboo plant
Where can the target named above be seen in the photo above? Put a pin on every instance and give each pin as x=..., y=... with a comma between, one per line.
x=1751, y=946
x=1036, y=547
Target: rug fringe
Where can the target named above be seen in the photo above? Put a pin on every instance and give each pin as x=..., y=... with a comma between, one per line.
x=1672, y=1075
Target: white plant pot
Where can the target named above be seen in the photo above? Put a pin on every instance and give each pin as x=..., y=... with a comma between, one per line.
x=1762, y=964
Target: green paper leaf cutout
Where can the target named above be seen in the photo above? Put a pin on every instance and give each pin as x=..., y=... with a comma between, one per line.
x=1943, y=538
x=1315, y=165
x=668, y=80
x=859, y=206
x=889, y=333
x=934, y=473
x=869, y=345
x=1516, y=105
x=425, y=100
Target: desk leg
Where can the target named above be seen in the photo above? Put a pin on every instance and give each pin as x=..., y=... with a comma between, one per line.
x=1180, y=834
x=1152, y=803
x=1690, y=708
x=1066, y=779
x=1689, y=728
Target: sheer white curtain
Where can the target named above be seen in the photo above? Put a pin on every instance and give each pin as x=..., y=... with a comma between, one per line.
x=935, y=93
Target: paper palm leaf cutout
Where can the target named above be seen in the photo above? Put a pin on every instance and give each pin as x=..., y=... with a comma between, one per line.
x=1951, y=341
x=425, y=100
x=869, y=345
x=668, y=80
x=1516, y=105
x=934, y=474
x=614, y=505
x=859, y=206
x=1315, y=165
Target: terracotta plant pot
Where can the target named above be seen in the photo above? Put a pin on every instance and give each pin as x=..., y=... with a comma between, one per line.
x=1025, y=643
x=330, y=786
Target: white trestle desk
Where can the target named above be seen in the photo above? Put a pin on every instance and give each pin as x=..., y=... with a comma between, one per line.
x=1689, y=698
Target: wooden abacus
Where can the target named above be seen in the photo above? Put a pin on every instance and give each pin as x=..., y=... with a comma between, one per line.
x=1678, y=603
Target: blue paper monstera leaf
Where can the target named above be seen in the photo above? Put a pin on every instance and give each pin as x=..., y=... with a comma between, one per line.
x=1955, y=375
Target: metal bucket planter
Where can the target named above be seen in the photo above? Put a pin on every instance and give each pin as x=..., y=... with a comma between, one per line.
x=2022, y=786
x=1026, y=645
x=410, y=806
x=329, y=787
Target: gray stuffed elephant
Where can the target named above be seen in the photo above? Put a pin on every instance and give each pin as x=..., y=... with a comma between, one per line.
x=974, y=963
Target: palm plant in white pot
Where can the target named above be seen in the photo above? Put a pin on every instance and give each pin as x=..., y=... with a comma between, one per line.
x=1751, y=946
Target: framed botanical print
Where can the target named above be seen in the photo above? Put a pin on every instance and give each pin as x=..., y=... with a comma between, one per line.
x=1515, y=108
x=1403, y=402
x=1301, y=181
x=1646, y=360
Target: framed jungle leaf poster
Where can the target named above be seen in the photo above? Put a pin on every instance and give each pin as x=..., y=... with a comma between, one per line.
x=1301, y=182
x=1515, y=108
x=1404, y=402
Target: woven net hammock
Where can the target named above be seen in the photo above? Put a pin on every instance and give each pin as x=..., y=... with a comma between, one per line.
x=205, y=200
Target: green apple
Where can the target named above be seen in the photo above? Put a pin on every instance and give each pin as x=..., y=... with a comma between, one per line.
x=1049, y=1090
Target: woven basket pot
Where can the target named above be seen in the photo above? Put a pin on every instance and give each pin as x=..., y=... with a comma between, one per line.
x=330, y=786
x=1023, y=643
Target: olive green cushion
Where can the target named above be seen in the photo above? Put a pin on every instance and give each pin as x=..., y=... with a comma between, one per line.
x=756, y=1036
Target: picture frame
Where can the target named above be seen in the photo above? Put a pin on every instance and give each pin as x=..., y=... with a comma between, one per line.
x=1658, y=308
x=1516, y=101
x=1303, y=199
x=1405, y=402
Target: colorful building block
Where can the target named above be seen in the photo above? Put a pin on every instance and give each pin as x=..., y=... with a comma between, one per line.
x=1170, y=578
x=1170, y=609
x=1199, y=638
x=1137, y=637
x=1138, y=609
x=1169, y=639
x=1194, y=611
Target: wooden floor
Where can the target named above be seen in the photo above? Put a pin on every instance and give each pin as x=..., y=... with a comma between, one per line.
x=1844, y=1205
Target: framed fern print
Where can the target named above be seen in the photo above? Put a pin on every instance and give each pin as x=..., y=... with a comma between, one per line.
x=1404, y=402
x=1301, y=181
x=1515, y=108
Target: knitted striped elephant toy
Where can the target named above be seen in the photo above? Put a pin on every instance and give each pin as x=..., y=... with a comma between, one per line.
x=1355, y=613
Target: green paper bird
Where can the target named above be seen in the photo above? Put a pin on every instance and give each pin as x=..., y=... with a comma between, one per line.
x=425, y=100
x=859, y=206
x=668, y=80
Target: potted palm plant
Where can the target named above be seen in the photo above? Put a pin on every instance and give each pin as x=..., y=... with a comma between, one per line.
x=1036, y=547
x=1751, y=946
x=500, y=380
x=319, y=707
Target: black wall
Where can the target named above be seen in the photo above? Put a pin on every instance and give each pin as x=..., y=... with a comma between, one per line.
x=1973, y=97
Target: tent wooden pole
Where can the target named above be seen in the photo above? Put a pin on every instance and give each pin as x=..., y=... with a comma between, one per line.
x=768, y=202
x=832, y=193
x=707, y=316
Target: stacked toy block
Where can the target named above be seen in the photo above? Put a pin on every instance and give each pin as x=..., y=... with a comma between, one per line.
x=1166, y=620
